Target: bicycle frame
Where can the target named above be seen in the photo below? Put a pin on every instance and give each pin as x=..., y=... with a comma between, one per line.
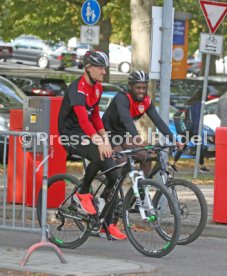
x=136, y=176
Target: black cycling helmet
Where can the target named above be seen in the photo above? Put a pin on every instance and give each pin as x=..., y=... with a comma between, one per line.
x=96, y=59
x=138, y=76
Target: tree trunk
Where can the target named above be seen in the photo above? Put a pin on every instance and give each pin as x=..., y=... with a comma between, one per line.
x=105, y=33
x=141, y=47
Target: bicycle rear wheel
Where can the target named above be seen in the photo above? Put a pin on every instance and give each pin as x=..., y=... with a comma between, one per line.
x=144, y=234
x=63, y=226
x=193, y=209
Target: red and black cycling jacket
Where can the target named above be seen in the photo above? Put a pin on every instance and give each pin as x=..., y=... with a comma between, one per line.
x=79, y=113
x=124, y=110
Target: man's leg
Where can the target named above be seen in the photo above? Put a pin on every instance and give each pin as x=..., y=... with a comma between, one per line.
x=140, y=156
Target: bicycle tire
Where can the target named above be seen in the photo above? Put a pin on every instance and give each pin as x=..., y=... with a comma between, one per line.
x=144, y=235
x=70, y=235
x=193, y=209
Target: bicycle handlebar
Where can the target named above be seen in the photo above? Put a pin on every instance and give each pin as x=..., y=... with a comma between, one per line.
x=152, y=148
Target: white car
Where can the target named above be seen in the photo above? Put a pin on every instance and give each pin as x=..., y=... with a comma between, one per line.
x=120, y=58
x=220, y=63
x=210, y=118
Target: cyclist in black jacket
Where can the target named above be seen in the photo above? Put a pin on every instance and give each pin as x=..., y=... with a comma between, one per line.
x=125, y=108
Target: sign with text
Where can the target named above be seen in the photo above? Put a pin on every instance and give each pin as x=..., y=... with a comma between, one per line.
x=178, y=32
x=211, y=44
x=89, y=34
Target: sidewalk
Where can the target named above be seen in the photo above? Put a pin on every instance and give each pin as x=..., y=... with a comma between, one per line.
x=212, y=229
x=44, y=262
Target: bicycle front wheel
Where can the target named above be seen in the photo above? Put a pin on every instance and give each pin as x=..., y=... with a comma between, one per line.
x=193, y=209
x=63, y=226
x=144, y=233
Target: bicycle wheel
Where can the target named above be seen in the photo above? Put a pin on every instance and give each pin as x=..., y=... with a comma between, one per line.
x=193, y=209
x=63, y=226
x=144, y=234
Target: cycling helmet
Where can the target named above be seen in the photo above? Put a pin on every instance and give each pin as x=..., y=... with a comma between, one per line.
x=138, y=76
x=96, y=59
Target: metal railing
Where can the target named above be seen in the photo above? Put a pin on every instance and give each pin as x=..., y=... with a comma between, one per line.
x=19, y=189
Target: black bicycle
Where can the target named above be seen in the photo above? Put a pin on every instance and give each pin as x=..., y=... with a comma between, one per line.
x=189, y=198
x=147, y=220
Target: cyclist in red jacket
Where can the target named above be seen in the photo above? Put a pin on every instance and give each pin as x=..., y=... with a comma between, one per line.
x=80, y=122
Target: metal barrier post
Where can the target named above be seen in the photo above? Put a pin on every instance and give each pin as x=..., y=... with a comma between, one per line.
x=44, y=242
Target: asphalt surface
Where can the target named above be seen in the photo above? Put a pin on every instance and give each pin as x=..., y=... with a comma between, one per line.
x=44, y=261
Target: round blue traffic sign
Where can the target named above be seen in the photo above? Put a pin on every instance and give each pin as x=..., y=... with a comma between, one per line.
x=90, y=12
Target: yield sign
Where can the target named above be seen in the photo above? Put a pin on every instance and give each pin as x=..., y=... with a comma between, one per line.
x=214, y=13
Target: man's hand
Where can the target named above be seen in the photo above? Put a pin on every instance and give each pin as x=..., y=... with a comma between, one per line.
x=104, y=147
x=105, y=151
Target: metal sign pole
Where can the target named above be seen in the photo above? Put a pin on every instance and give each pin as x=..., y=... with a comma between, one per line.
x=205, y=83
x=166, y=59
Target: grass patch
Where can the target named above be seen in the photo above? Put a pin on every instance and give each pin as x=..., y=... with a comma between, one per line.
x=74, y=167
x=188, y=165
x=182, y=165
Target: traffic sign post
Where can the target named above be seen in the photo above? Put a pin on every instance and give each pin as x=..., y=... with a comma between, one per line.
x=210, y=44
x=90, y=12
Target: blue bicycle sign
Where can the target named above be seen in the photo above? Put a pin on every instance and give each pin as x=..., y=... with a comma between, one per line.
x=90, y=12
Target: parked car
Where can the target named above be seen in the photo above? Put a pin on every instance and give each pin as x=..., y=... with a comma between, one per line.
x=68, y=57
x=120, y=58
x=210, y=118
x=6, y=50
x=221, y=65
x=208, y=133
x=182, y=90
x=37, y=52
x=79, y=49
x=194, y=63
x=11, y=97
x=35, y=86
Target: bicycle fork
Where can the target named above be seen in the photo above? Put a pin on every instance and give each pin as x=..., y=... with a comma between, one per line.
x=145, y=204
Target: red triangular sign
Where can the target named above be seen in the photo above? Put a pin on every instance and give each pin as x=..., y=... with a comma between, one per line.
x=214, y=13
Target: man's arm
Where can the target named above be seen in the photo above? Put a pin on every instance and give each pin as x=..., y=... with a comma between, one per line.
x=159, y=123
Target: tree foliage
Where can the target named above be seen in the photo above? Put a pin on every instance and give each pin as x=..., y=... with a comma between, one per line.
x=55, y=19
x=61, y=19
x=120, y=20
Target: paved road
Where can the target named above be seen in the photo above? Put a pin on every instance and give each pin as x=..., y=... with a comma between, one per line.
x=9, y=68
x=206, y=256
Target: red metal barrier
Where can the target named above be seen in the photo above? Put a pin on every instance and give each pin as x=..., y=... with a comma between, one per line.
x=56, y=163
x=220, y=182
x=16, y=124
